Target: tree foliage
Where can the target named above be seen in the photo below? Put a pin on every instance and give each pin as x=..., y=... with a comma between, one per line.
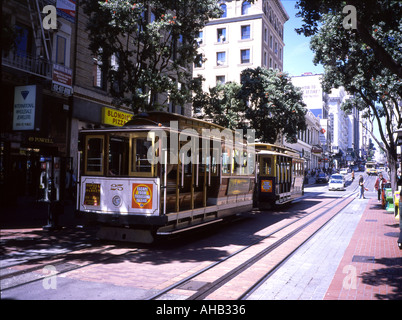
x=221, y=105
x=369, y=13
x=352, y=63
x=266, y=101
x=147, y=46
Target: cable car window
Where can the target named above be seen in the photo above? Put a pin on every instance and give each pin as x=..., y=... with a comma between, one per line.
x=94, y=155
x=139, y=162
x=266, y=166
x=226, y=160
x=118, y=155
x=251, y=162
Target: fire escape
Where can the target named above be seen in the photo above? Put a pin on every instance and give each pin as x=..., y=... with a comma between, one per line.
x=38, y=61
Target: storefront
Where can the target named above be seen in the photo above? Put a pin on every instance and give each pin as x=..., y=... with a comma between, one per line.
x=33, y=145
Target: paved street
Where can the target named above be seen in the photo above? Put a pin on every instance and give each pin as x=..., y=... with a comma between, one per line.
x=327, y=266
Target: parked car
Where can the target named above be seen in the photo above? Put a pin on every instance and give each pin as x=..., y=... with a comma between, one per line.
x=337, y=182
x=321, y=178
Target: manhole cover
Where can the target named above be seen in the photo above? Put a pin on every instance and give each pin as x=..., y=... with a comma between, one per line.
x=364, y=259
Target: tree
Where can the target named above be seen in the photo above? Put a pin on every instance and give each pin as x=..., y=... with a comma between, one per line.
x=147, y=47
x=369, y=13
x=221, y=105
x=274, y=104
x=266, y=101
x=350, y=62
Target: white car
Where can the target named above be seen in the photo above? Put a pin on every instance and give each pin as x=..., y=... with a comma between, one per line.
x=337, y=182
x=344, y=171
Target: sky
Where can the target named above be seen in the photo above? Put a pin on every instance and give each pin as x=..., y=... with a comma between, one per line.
x=297, y=55
x=298, y=58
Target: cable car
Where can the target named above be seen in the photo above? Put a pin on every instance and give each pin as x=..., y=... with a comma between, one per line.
x=280, y=175
x=163, y=173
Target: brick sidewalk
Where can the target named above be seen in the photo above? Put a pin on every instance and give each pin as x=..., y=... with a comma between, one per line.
x=371, y=268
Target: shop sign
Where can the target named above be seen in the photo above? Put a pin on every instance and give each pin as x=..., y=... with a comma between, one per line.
x=316, y=149
x=62, y=80
x=66, y=9
x=115, y=117
x=25, y=102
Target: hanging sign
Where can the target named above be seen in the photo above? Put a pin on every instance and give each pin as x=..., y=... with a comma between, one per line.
x=25, y=98
x=62, y=79
x=66, y=9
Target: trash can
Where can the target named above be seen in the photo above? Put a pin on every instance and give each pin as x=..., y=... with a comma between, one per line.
x=389, y=200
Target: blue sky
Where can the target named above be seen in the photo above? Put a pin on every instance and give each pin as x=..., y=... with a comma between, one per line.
x=298, y=58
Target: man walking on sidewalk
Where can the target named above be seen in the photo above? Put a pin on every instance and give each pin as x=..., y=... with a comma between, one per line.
x=361, y=187
x=379, y=185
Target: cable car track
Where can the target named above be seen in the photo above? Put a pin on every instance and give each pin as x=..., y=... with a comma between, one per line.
x=213, y=286
x=65, y=261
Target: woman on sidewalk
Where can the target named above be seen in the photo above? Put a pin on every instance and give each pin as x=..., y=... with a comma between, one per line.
x=361, y=187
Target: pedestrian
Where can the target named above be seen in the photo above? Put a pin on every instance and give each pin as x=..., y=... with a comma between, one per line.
x=353, y=175
x=379, y=185
x=361, y=187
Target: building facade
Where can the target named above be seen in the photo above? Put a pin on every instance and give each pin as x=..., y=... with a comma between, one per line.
x=52, y=86
x=246, y=36
x=36, y=90
x=308, y=143
x=344, y=129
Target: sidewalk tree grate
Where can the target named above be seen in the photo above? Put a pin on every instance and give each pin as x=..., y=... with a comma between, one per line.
x=364, y=259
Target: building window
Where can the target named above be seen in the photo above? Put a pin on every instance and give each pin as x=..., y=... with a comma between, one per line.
x=224, y=9
x=61, y=50
x=221, y=35
x=245, y=56
x=200, y=38
x=245, y=7
x=98, y=73
x=220, y=80
x=265, y=59
x=198, y=61
x=245, y=32
x=270, y=42
x=220, y=58
x=24, y=43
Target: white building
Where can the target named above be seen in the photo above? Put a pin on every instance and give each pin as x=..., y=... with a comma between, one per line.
x=345, y=128
x=316, y=119
x=308, y=143
x=246, y=36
